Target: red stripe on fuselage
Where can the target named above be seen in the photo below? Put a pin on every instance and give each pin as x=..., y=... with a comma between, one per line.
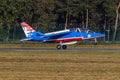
x=67, y=40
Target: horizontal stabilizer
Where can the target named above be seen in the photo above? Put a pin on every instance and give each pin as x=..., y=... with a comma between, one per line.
x=26, y=39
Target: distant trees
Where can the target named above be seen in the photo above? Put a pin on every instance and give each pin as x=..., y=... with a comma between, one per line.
x=98, y=15
x=116, y=21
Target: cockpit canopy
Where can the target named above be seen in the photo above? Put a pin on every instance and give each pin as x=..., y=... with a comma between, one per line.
x=81, y=30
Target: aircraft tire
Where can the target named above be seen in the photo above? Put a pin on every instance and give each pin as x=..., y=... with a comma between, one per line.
x=64, y=46
x=95, y=43
x=58, y=46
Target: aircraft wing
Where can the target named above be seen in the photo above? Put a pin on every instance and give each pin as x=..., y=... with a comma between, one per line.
x=56, y=35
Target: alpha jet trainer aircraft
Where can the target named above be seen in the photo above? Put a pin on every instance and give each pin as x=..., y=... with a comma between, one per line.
x=62, y=38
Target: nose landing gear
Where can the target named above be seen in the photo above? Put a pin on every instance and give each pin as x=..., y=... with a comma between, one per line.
x=95, y=41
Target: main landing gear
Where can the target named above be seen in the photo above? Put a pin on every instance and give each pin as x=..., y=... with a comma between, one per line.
x=61, y=46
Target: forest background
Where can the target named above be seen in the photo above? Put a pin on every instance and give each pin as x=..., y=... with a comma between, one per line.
x=51, y=15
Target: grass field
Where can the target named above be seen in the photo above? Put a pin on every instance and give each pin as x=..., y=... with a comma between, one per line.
x=59, y=66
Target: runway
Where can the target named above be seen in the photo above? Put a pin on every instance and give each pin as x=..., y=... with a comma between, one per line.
x=55, y=50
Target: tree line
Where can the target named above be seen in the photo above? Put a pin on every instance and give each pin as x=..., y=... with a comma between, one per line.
x=49, y=15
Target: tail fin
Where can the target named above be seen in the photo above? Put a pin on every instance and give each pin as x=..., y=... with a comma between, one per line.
x=26, y=28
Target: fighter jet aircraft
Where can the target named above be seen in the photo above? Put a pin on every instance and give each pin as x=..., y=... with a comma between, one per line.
x=62, y=37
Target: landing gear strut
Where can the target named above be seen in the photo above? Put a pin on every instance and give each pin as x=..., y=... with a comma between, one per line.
x=61, y=46
x=95, y=41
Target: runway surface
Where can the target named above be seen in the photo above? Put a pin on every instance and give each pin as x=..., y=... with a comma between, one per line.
x=55, y=50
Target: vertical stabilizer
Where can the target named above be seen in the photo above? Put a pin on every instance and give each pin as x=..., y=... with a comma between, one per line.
x=27, y=28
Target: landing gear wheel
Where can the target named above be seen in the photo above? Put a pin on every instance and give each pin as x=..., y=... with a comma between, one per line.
x=95, y=43
x=64, y=46
x=58, y=46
